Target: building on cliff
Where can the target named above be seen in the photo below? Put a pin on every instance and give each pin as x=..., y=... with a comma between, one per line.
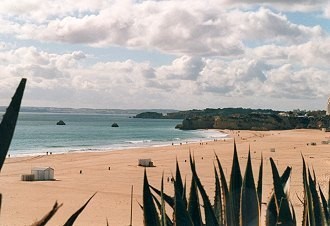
x=328, y=107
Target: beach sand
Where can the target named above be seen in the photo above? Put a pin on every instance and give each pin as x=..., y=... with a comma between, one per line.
x=26, y=202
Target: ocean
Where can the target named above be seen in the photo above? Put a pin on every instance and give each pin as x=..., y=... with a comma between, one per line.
x=37, y=133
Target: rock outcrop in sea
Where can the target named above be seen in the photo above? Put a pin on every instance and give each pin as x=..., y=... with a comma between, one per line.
x=60, y=123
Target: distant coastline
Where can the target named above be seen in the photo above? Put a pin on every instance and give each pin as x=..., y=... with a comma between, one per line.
x=245, y=119
x=86, y=110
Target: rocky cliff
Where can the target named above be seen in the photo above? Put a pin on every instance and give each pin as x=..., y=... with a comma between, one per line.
x=255, y=121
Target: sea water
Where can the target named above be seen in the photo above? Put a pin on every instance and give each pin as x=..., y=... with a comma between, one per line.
x=37, y=133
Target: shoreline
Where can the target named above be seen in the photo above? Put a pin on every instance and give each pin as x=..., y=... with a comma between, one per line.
x=128, y=145
x=25, y=202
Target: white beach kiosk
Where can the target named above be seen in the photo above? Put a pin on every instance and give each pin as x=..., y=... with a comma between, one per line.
x=43, y=173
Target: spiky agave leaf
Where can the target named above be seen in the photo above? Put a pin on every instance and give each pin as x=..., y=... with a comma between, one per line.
x=48, y=216
x=226, y=196
x=249, y=199
x=181, y=215
x=283, y=214
x=218, y=199
x=319, y=217
x=140, y=205
x=165, y=220
x=184, y=193
x=325, y=207
x=178, y=178
x=259, y=187
x=74, y=216
x=193, y=205
x=235, y=187
x=168, y=199
x=281, y=200
x=150, y=214
x=168, y=221
x=210, y=218
x=181, y=187
x=8, y=123
x=293, y=214
x=271, y=212
x=308, y=213
x=329, y=195
x=162, y=208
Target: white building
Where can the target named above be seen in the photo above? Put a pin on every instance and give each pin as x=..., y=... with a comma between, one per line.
x=328, y=107
x=43, y=173
x=145, y=162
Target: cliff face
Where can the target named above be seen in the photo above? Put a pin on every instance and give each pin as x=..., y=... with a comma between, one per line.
x=255, y=122
x=198, y=123
x=245, y=119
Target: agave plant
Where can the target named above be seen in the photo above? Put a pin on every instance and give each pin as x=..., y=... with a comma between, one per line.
x=223, y=211
x=316, y=209
x=236, y=204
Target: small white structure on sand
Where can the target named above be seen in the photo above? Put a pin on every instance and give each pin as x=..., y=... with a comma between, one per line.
x=325, y=129
x=43, y=173
x=146, y=162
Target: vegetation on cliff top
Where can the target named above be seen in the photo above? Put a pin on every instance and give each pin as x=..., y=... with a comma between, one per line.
x=245, y=119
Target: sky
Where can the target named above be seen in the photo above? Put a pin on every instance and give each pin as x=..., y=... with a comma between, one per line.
x=174, y=54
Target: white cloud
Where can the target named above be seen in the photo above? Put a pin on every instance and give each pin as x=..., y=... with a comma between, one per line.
x=265, y=26
x=186, y=81
x=40, y=11
x=225, y=53
x=183, y=68
x=283, y=5
x=182, y=28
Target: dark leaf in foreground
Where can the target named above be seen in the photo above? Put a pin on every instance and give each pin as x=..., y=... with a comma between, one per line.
x=329, y=195
x=181, y=215
x=316, y=201
x=179, y=183
x=193, y=205
x=325, y=207
x=259, y=187
x=282, y=203
x=48, y=216
x=8, y=124
x=165, y=220
x=249, y=198
x=226, y=197
x=308, y=214
x=235, y=187
x=160, y=207
x=168, y=199
x=210, y=218
x=150, y=214
x=73, y=218
x=218, y=199
x=162, y=204
x=271, y=212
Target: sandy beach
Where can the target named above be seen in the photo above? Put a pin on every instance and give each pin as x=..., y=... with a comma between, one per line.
x=26, y=202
